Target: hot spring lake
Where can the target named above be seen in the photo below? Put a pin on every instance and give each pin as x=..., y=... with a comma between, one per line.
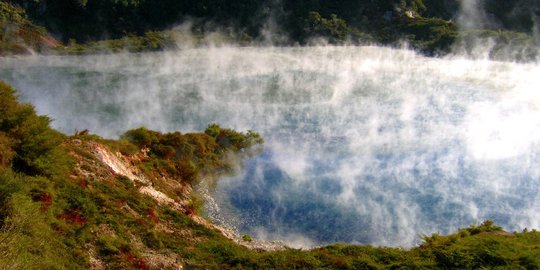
x=362, y=144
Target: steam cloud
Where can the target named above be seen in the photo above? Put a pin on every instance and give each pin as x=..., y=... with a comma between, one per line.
x=472, y=15
x=363, y=144
x=506, y=45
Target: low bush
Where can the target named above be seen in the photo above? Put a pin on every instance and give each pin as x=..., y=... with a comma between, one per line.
x=191, y=155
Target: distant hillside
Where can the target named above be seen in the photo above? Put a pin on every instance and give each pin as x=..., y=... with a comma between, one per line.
x=19, y=35
x=83, y=202
x=428, y=25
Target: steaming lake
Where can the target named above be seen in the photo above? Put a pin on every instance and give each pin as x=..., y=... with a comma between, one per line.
x=363, y=144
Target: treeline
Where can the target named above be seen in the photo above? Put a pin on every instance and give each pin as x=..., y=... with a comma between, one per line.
x=428, y=24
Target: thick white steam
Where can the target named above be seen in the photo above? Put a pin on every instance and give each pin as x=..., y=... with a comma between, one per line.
x=363, y=144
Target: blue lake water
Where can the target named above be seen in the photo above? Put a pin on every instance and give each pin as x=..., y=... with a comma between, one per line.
x=362, y=144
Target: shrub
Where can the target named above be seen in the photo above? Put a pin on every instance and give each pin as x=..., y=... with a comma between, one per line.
x=30, y=143
x=111, y=244
x=486, y=226
x=230, y=139
x=141, y=137
x=187, y=170
x=123, y=146
x=190, y=155
x=247, y=238
x=6, y=152
x=213, y=130
x=152, y=239
x=335, y=28
x=431, y=35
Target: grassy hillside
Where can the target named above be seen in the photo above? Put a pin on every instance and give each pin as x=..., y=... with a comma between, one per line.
x=19, y=35
x=83, y=202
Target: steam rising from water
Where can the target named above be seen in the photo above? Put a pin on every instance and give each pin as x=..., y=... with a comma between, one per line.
x=363, y=144
x=472, y=15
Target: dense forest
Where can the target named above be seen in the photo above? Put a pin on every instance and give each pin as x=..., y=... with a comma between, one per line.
x=430, y=26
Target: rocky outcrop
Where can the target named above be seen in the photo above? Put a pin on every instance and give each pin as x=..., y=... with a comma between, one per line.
x=104, y=163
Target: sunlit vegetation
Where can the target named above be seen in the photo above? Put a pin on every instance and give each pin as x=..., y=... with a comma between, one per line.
x=188, y=156
x=29, y=145
x=18, y=34
x=32, y=169
x=54, y=217
x=151, y=41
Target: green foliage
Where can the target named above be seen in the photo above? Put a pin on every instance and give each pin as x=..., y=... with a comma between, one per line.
x=6, y=151
x=27, y=241
x=111, y=244
x=191, y=155
x=30, y=145
x=152, y=239
x=213, y=130
x=228, y=138
x=431, y=35
x=334, y=28
x=247, y=238
x=28, y=197
x=485, y=245
x=486, y=226
x=141, y=137
x=417, y=6
x=123, y=146
x=149, y=41
x=18, y=34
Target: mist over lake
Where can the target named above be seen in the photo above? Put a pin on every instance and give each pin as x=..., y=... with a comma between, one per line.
x=363, y=145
